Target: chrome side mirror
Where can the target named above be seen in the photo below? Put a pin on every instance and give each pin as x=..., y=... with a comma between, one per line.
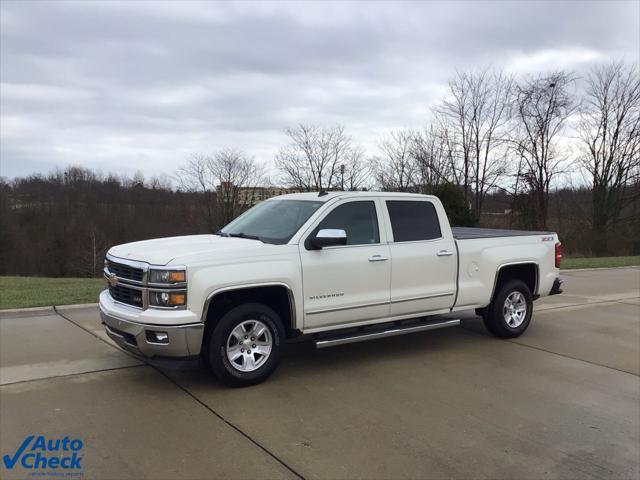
x=329, y=237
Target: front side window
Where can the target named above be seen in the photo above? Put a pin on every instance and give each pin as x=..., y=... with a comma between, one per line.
x=357, y=219
x=413, y=221
x=272, y=221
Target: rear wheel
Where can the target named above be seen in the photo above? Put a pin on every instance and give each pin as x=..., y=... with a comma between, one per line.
x=509, y=314
x=244, y=347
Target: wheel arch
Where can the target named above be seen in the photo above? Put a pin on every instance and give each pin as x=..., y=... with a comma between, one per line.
x=276, y=295
x=527, y=271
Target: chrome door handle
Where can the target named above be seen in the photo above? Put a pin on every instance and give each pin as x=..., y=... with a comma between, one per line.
x=378, y=258
x=444, y=253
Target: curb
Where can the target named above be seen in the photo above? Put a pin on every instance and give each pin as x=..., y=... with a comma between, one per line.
x=74, y=306
x=568, y=270
x=47, y=310
x=30, y=309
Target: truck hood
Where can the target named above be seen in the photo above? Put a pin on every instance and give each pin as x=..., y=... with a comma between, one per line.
x=161, y=251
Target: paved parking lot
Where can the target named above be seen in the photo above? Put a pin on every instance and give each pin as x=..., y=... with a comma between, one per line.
x=563, y=401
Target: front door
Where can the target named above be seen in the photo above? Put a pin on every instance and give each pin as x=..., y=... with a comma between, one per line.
x=350, y=283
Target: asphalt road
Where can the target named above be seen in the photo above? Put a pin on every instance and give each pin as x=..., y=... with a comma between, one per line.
x=562, y=401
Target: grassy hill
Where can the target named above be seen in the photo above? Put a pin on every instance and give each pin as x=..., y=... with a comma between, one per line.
x=23, y=292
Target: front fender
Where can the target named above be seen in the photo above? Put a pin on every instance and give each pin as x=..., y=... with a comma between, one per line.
x=206, y=282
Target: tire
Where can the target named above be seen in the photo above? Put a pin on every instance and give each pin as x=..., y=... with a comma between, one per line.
x=232, y=337
x=504, y=317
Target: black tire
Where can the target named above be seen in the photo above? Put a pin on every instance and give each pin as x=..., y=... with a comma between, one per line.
x=494, y=315
x=217, y=357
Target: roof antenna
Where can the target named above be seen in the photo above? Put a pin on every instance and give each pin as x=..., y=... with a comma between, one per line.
x=322, y=193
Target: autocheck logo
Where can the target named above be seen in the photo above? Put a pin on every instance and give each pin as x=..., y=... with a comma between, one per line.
x=41, y=453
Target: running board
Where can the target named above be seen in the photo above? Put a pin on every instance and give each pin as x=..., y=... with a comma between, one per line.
x=390, y=332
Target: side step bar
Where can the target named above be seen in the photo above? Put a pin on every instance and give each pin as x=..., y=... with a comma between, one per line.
x=390, y=332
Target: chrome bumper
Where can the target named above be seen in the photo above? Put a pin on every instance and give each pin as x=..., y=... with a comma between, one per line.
x=181, y=340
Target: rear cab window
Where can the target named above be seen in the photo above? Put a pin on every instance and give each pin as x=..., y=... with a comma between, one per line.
x=413, y=221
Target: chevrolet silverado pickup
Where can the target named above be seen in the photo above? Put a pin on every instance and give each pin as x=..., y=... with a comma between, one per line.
x=336, y=267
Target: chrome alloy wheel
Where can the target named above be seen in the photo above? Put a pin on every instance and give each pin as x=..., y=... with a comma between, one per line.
x=249, y=345
x=514, y=310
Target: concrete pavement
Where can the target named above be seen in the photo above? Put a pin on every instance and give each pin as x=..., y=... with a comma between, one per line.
x=562, y=401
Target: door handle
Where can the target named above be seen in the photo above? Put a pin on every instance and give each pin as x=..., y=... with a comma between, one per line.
x=378, y=258
x=444, y=253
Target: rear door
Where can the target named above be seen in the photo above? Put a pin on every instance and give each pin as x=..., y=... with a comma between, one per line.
x=423, y=255
x=347, y=284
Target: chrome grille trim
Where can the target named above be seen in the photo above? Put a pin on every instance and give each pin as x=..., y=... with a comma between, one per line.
x=143, y=285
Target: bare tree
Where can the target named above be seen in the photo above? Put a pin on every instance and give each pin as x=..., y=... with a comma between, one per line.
x=396, y=168
x=160, y=182
x=477, y=110
x=87, y=260
x=456, y=113
x=357, y=171
x=313, y=159
x=197, y=177
x=238, y=176
x=435, y=155
x=223, y=181
x=542, y=106
x=610, y=137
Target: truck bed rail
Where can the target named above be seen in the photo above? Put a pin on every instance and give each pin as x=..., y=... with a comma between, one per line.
x=467, y=233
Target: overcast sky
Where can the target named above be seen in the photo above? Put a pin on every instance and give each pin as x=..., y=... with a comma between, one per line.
x=141, y=85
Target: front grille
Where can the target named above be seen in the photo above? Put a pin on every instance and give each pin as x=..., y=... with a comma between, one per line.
x=125, y=271
x=127, y=295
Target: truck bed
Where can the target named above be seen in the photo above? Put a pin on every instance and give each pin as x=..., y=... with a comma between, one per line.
x=468, y=233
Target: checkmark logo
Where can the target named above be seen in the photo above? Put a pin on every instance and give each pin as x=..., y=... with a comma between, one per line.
x=10, y=462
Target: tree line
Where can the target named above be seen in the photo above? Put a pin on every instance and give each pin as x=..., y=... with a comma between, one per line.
x=527, y=152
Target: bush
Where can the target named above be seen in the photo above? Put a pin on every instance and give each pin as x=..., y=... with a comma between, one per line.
x=452, y=197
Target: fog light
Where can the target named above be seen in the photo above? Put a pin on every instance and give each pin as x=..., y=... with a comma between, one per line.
x=157, y=337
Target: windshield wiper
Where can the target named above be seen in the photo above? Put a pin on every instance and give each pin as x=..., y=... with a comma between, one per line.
x=221, y=233
x=243, y=235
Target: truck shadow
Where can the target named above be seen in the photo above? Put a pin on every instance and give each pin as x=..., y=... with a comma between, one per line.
x=306, y=356
x=300, y=359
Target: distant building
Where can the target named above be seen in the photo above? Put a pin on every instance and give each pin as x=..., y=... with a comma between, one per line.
x=249, y=196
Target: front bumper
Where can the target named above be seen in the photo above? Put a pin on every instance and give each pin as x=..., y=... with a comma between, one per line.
x=182, y=340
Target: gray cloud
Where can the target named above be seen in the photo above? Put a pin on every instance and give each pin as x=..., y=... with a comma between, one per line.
x=122, y=86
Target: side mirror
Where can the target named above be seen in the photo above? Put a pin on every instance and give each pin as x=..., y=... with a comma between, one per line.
x=329, y=237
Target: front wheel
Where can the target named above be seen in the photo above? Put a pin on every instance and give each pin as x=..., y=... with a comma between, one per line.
x=509, y=314
x=244, y=347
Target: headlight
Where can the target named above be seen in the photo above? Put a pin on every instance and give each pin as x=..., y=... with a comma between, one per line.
x=167, y=298
x=167, y=276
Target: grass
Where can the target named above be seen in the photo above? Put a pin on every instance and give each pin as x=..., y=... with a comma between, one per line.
x=24, y=292
x=599, y=262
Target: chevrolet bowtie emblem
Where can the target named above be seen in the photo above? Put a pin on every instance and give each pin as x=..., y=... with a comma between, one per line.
x=112, y=279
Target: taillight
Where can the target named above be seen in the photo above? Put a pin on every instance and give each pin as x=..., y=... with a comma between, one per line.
x=558, y=254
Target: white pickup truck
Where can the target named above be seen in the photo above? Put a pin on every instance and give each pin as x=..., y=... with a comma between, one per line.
x=336, y=267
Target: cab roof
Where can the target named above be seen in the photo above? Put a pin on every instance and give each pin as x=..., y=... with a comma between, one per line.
x=314, y=196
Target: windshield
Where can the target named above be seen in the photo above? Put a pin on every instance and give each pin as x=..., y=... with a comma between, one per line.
x=273, y=221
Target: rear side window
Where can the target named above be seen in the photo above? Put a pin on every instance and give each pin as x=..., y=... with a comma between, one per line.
x=413, y=221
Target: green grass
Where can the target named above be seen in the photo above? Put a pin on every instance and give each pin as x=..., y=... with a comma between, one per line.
x=24, y=292
x=599, y=262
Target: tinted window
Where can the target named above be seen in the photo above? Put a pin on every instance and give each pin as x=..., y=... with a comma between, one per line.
x=413, y=221
x=358, y=219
